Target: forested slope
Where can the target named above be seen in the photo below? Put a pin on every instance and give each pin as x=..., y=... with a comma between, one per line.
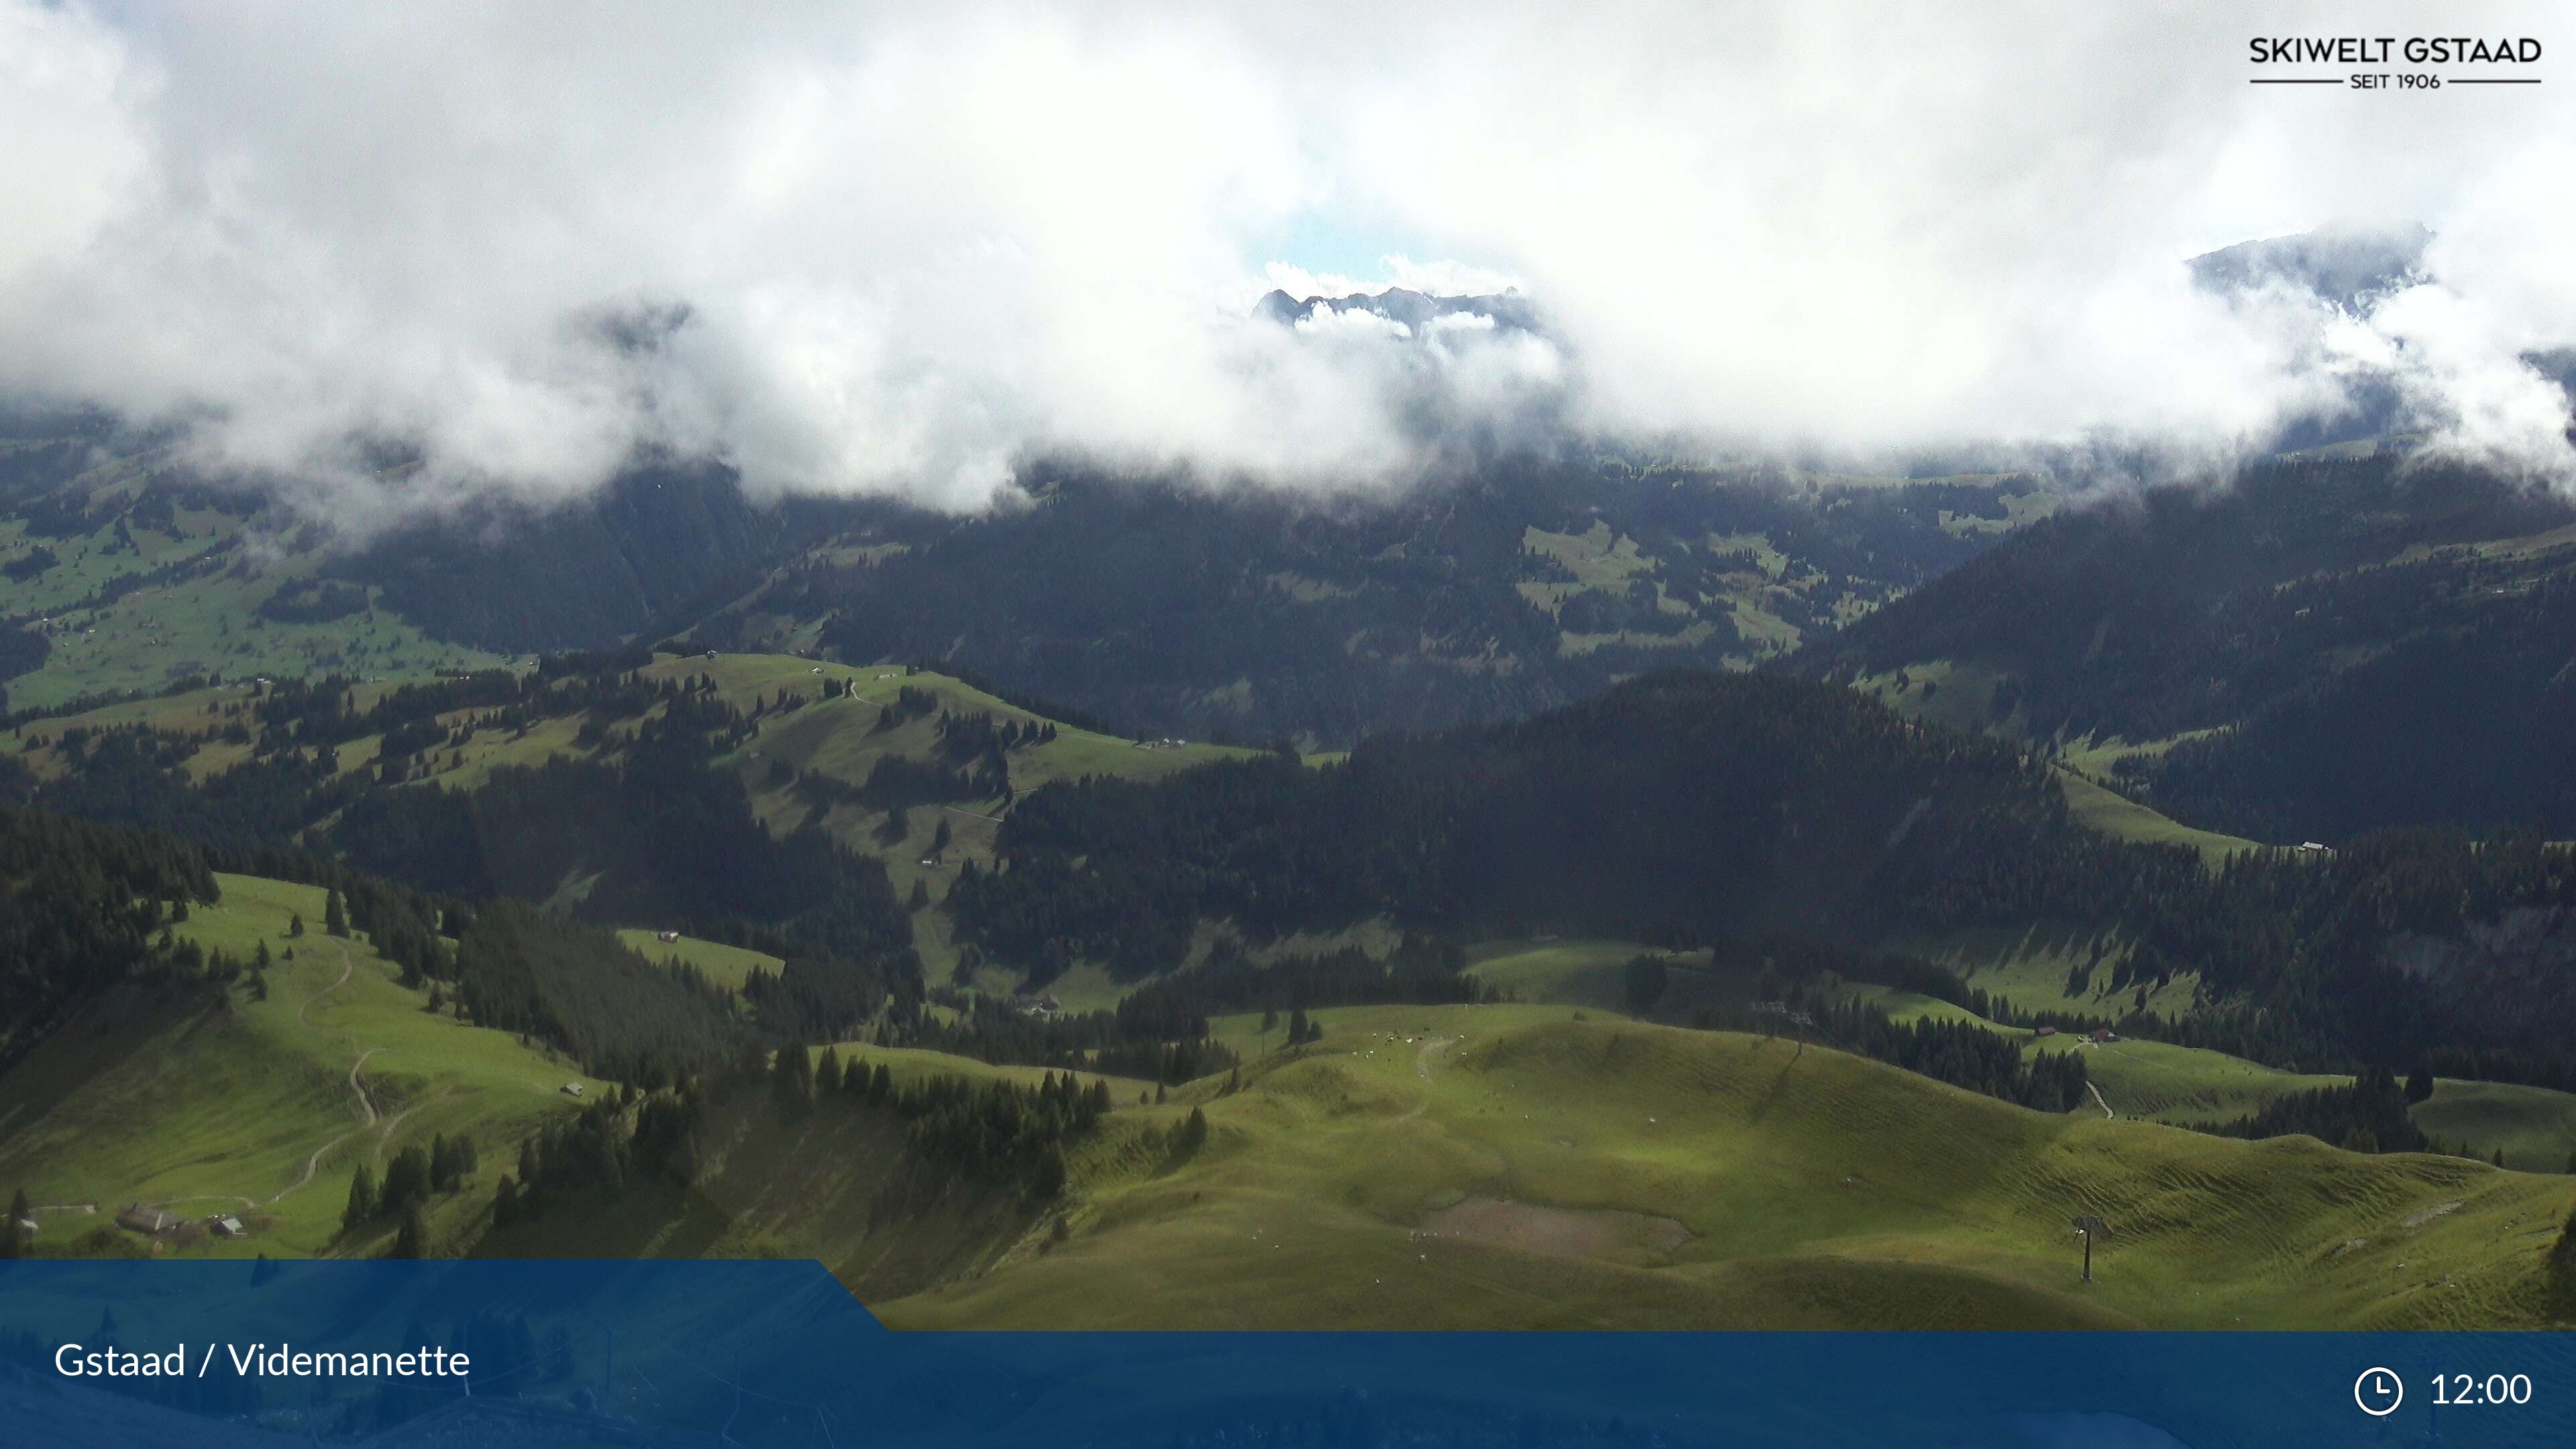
x=1675, y=807
x=1714, y=810
x=2337, y=645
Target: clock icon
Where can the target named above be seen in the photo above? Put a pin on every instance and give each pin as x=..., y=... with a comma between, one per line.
x=2378, y=1392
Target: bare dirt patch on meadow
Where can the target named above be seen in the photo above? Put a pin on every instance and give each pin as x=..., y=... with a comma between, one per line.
x=1600, y=1234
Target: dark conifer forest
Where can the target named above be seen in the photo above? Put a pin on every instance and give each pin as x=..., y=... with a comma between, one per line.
x=80, y=908
x=1673, y=808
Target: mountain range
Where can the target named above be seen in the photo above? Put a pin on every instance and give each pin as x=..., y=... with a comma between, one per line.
x=1584, y=887
x=1420, y=312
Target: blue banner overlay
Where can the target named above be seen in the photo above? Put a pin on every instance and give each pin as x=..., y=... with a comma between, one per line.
x=777, y=1353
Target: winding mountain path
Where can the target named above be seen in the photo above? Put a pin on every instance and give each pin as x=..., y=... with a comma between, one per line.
x=385, y=1136
x=303, y=1013
x=312, y=1165
x=1422, y=1069
x=366, y=1107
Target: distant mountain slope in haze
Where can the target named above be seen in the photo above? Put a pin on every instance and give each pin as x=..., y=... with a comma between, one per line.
x=2349, y=268
x=2373, y=643
x=124, y=565
x=526, y=580
x=2343, y=265
x=1255, y=614
x=1168, y=603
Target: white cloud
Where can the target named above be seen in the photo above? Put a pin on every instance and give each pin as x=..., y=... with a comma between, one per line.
x=70, y=148
x=919, y=243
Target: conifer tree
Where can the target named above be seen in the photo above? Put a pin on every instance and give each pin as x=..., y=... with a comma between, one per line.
x=335, y=916
x=407, y=1180
x=411, y=1240
x=450, y=1159
x=791, y=1081
x=362, y=1198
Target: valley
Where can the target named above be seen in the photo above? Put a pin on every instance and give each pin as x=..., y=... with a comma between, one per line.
x=1700, y=918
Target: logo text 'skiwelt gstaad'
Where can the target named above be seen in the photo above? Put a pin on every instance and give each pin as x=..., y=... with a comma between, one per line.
x=2396, y=62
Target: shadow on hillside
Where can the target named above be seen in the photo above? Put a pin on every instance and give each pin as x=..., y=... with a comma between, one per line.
x=646, y=1220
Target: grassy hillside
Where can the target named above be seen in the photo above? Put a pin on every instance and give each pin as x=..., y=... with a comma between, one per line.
x=2156, y=1081
x=1486, y=1166
x=912, y=1064
x=1565, y=973
x=2121, y=818
x=838, y=738
x=831, y=737
x=2048, y=966
x=725, y=965
x=262, y=1108
x=1519, y=1166
x=2192, y=1086
x=2534, y=1128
